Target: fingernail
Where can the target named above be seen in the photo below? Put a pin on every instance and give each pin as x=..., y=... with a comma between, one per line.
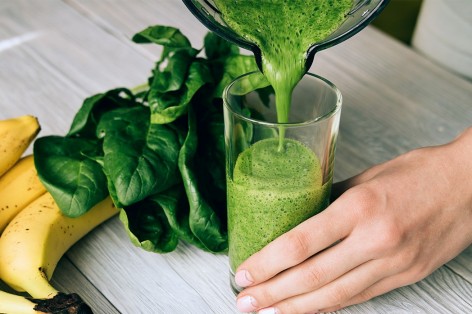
x=246, y=304
x=269, y=310
x=243, y=278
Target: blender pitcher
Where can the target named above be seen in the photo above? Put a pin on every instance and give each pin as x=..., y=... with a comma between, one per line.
x=360, y=15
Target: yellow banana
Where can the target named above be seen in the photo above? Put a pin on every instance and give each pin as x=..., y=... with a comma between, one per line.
x=34, y=241
x=19, y=186
x=15, y=304
x=16, y=135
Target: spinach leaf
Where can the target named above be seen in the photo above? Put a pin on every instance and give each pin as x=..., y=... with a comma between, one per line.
x=148, y=228
x=171, y=72
x=74, y=179
x=204, y=222
x=139, y=159
x=217, y=48
x=225, y=62
x=233, y=67
x=176, y=208
x=166, y=36
x=166, y=107
x=86, y=119
x=210, y=155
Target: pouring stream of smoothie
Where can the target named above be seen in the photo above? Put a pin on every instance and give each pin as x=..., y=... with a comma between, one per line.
x=284, y=31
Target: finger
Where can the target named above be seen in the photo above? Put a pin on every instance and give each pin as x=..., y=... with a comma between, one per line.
x=381, y=287
x=295, y=246
x=312, y=274
x=337, y=292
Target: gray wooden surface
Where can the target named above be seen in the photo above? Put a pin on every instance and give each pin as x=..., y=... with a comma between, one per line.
x=54, y=53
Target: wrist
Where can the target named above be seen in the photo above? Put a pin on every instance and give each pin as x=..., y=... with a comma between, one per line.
x=462, y=158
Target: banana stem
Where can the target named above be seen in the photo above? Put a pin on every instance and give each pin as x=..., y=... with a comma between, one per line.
x=62, y=303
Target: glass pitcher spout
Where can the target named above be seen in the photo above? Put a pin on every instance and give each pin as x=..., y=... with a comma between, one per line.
x=360, y=15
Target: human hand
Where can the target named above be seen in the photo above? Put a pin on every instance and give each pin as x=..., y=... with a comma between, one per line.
x=396, y=223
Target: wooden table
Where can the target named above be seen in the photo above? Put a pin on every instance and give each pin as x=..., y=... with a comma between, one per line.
x=54, y=54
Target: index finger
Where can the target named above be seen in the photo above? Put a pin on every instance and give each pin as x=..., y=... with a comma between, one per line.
x=290, y=249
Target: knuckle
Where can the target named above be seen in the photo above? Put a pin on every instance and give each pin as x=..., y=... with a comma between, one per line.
x=407, y=258
x=265, y=297
x=339, y=295
x=417, y=273
x=391, y=235
x=365, y=198
x=365, y=296
x=297, y=245
x=314, y=277
x=288, y=307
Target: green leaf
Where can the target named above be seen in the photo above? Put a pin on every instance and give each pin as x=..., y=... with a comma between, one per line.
x=210, y=155
x=139, y=159
x=167, y=107
x=86, y=119
x=171, y=72
x=218, y=48
x=233, y=67
x=203, y=220
x=162, y=35
x=176, y=208
x=75, y=181
x=148, y=228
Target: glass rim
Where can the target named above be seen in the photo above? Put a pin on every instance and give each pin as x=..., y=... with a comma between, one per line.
x=336, y=108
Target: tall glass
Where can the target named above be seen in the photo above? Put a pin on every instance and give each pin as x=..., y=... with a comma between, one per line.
x=278, y=175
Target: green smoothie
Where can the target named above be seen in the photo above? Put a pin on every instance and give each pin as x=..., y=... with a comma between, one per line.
x=277, y=183
x=271, y=192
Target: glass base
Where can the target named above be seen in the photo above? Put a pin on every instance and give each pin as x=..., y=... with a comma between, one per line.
x=234, y=287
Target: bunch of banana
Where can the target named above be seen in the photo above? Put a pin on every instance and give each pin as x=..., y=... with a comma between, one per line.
x=34, y=232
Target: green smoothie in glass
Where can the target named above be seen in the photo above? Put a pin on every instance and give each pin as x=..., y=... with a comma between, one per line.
x=277, y=183
x=270, y=193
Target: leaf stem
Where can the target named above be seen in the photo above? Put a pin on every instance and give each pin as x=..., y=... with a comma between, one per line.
x=140, y=88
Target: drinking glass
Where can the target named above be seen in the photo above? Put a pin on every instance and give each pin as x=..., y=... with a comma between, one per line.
x=278, y=175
